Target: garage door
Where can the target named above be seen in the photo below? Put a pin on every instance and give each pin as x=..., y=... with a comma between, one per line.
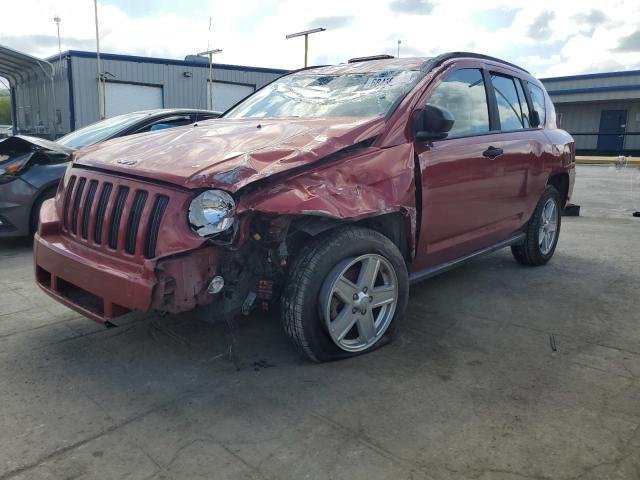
x=225, y=95
x=127, y=97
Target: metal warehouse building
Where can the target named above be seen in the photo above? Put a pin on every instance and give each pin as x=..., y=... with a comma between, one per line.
x=601, y=111
x=53, y=97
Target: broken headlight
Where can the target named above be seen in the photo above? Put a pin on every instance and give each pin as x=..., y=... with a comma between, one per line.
x=10, y=169
x=211, y=212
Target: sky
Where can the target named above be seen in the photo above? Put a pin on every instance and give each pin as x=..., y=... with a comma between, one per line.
x=547, y=37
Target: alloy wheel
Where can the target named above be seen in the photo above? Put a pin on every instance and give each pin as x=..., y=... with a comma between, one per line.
x=548, y=226
x=358, y=300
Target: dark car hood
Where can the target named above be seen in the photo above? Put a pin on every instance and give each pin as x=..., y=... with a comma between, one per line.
x=23, y=144
x=229, y=153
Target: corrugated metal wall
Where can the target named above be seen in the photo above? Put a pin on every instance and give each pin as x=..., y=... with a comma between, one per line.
x=580, y=101
x=39, y=101
x=178, y=90
x=585, y=117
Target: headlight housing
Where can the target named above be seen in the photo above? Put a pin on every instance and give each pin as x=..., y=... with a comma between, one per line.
x=212, y=212
x=10, y=169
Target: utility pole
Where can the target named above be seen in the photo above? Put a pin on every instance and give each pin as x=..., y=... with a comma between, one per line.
x=399, y=42
x=57, y=19
x=210, y=54
x=306, y=34
x=101, y=100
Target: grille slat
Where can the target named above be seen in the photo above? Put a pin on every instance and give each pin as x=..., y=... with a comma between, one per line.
x=67, y=200
x=121, y=215
x=101, y=211
x=117, y=216
x=134, y=221
x=86, y=214
x=76, y=205
x=154, y=227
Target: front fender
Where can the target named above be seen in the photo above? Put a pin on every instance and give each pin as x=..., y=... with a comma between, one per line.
x=370, y=183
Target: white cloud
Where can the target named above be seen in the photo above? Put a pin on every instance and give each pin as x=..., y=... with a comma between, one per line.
x=252, y=32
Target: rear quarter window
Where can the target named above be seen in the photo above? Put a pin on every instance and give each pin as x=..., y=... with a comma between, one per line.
x=537, y=98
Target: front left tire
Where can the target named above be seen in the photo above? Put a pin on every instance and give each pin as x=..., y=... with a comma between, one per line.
x=345, y=293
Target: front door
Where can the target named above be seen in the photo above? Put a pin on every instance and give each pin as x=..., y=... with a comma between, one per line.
x=463, y=185
x=612, y=127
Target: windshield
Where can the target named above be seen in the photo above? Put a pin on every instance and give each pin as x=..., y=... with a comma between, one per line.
x=349, y=95
x=100, y=131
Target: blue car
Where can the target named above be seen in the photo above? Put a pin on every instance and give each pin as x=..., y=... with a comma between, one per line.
x=31, y=167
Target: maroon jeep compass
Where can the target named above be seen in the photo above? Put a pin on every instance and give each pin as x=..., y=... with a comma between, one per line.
x=325, y=195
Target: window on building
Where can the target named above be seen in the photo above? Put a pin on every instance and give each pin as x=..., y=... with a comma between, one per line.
x=537, y=98
x=463, y=94
x=509, y=109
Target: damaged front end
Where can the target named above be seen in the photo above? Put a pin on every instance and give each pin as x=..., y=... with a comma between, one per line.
x=19, y=153
x=212, y=215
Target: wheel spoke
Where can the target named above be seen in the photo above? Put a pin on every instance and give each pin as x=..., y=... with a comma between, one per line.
x=552, y=227
x=341, y=325
x=383, y=295
x=368, y=272
x=366, y=326
x=345, y=290
x=548, y=210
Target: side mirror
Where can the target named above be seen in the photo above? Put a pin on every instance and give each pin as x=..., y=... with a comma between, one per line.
x=534, y=118
x=433, y=123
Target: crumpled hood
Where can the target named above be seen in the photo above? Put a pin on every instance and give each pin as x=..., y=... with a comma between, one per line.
x=229, y=153
x=24, y=144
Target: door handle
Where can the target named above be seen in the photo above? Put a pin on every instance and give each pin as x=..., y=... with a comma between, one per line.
x=492, y=152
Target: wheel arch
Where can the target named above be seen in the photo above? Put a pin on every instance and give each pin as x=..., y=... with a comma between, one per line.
x=560, y=180
x=396, y=226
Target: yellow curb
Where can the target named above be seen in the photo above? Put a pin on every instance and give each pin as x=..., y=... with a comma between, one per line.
x=606, y=160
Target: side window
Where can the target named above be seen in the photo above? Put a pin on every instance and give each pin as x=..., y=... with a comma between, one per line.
x=524, y=107
x=509, y=108
x=537, y=98
x=464, y=95
x=166, y=123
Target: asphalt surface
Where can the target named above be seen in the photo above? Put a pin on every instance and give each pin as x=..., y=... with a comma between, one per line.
x=500, y=372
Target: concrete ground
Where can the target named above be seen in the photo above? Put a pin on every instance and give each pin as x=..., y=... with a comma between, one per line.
x=500, y=372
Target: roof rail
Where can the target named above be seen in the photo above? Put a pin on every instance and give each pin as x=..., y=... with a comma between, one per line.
x=372, y=57
x=448, y=56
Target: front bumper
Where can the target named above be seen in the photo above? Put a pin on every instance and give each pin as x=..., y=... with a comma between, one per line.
x=102, y=286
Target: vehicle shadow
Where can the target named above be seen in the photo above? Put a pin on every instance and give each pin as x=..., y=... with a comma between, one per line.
x=9, y=246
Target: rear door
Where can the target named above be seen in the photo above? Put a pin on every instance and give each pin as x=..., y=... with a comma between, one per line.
x=523, y=146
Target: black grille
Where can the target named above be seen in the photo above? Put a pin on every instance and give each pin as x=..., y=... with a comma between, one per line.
x=134, y=221
x=117, y=216
x=114, y=215
x=93, y=186
x=100, y=212
x=76, y=205
x=154, y=226
x=67, y=199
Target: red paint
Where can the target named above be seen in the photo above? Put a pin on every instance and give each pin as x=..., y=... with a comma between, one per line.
x=293, y=167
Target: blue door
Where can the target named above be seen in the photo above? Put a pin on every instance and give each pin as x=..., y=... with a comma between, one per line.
x=612, y=126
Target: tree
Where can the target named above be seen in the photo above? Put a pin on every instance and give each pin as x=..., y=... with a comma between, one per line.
x=5, y=110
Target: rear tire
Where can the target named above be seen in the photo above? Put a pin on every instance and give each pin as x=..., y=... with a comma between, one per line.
x=542, y=232
x=345, y=293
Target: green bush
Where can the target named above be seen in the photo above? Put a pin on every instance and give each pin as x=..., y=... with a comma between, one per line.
x=5, y=110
